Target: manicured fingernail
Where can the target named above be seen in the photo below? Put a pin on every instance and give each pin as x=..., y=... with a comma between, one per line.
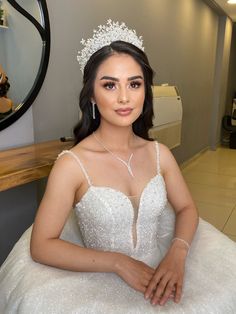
x=146, y=296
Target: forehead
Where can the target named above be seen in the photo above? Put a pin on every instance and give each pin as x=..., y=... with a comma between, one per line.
x=118, y=65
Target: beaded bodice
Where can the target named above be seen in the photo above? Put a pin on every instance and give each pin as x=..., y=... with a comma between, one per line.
x=107, y=219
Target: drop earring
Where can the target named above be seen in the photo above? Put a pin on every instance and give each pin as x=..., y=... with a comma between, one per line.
x=93, y=110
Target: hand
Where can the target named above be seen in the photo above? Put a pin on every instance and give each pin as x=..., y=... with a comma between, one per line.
x=135, y=273
x=168, y=278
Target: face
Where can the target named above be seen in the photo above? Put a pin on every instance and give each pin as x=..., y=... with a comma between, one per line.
x=119, y=90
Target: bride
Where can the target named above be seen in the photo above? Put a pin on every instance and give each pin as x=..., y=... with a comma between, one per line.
x=140, y=246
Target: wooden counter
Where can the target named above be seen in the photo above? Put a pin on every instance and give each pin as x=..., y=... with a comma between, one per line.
x=29, y=163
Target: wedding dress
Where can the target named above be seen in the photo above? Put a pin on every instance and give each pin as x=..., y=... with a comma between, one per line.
x=105, y=219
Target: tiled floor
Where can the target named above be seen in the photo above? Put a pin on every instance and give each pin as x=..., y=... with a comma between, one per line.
x=211, y=179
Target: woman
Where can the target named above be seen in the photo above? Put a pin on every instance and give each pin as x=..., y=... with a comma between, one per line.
x=6, y=104
x=135, y=247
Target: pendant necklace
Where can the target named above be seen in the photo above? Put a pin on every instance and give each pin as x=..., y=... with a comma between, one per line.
x=127, y=164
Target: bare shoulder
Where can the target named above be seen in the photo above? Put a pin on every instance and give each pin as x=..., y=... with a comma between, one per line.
x=69, y=159
x=68, y=163
x=167, y=159
x=86, y=147
x=164, y=150
x=68, y=169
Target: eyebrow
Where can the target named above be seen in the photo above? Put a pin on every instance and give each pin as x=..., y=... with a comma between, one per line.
x=117, y=80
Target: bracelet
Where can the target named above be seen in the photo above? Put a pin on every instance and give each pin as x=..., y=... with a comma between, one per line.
x=182, y=240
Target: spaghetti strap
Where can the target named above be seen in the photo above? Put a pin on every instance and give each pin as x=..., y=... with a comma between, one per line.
x=78, y=161
x=158, y=157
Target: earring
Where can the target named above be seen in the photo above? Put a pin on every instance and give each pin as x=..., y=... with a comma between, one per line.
x=93, y=110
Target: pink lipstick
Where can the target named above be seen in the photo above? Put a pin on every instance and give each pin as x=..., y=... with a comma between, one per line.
x=124, y=111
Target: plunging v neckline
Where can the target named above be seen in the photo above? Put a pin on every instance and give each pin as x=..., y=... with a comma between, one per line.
x=133, y=232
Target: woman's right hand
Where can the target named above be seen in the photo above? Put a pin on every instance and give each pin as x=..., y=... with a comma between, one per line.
x=135, y=273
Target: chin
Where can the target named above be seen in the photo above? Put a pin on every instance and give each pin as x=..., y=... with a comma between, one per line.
x=120, y=121
x=124, y=123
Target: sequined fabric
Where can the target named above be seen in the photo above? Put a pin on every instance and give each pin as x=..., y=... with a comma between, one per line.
x=104, y=213
x=105, y=218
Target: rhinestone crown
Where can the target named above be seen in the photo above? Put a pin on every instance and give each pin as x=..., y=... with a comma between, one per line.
x=104, y=36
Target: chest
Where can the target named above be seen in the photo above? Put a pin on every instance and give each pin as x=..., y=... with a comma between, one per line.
x=107, y=218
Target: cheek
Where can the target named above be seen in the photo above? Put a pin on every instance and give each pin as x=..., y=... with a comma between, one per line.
x=104, y=101
x=140, y=98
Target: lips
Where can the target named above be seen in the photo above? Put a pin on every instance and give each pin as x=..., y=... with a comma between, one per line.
x=124, y=111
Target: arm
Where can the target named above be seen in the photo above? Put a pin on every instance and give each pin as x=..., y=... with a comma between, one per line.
x=46, y=247
x=180, y=198
x=169, y=274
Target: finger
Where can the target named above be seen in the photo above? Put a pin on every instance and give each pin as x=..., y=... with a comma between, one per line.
x=148, y=277
x=142, y=285
x=172, y=295
x=145, y=283
x=152, y=285
x=161, y=287
x=141, y=288
x=178, y=292
x=168, y=292
x=145, y=279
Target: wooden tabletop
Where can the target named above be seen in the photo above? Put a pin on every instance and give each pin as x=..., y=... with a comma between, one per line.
x=29, y=163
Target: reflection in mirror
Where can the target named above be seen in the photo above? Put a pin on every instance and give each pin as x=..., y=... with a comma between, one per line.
x=20, y=55
x=24, y=53
x=32, y=7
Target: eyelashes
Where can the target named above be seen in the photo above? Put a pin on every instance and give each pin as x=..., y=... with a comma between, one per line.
x=109, y=85
x=112, y=85
x=135, y=84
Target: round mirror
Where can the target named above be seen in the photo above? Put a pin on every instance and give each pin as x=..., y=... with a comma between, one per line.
x=24, y=54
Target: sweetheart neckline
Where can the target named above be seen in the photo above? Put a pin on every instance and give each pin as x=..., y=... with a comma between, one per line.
x=135, y=246
x=118, y=191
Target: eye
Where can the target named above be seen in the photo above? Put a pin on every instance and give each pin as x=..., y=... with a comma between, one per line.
x=135, y=84
x=109, y=85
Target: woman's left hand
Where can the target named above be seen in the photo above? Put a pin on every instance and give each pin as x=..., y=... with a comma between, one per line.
x=167, y=280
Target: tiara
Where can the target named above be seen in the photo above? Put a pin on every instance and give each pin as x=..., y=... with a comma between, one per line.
x=104, y=36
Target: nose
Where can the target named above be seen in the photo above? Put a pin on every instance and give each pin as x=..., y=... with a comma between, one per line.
x=123, y=97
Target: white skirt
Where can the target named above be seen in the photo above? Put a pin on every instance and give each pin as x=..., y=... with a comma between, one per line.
x=27, y=287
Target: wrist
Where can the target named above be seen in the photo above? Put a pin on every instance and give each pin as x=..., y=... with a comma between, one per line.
x=179, y=248
x=182, y=241
x=118, y=263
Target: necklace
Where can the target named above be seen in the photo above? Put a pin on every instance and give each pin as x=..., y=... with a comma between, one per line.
x=126, y=163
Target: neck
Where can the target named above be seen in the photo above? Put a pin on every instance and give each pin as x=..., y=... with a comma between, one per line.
x=117, y=138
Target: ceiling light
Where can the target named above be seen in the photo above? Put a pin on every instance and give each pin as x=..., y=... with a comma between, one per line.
x=231, y=1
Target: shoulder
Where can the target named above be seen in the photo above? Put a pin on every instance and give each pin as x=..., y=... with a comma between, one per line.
x=167, y=159
x=163, y=149
x=86, y=147
x=70, y=162
x=68, y=168
x=70, y=158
